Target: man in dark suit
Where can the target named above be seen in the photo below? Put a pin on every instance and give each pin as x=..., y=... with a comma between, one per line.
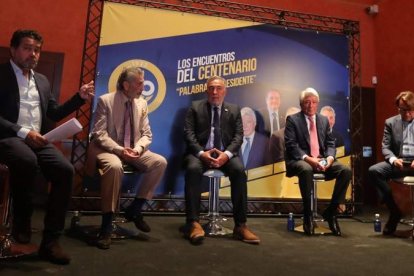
x=271, y=116
x=398, y=151
x=310, y=148
x=254, y=150
x=329, y=113
x=214, y=132
x=26, y=101
x=277, y=140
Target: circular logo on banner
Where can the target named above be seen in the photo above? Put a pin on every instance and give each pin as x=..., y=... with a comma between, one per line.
x=154, y=84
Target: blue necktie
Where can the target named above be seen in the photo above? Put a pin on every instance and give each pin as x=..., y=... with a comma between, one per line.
x=246, y=151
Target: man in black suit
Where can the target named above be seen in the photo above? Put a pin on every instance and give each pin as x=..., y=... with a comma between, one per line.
x=310, y=148
x=329, y=113
x=277, y=139
x=214, y=133
x=26, y=101
x=271, y=116
x=398, y=151
x=255, y=148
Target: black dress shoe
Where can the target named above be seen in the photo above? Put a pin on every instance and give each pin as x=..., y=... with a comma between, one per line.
x=333, y=224
x=308, y=226
x=52, y=252
x=104, y=241
x=392, y=223
x=21, y=231
x=138, y=220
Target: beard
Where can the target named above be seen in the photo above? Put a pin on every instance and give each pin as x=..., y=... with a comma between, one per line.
x=29, y=64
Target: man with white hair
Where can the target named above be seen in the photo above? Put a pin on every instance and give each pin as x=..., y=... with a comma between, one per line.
x=254, y=150
x=310, y=149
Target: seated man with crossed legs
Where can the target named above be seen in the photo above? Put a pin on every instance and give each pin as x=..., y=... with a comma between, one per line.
x=122, y=134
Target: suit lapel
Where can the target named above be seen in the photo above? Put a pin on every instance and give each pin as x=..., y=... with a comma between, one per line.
x=320, y=129
x=137, y=112
x=41, y=90
x=224, y=114
x=399, y=131
x=304, y=126
x=118, y=113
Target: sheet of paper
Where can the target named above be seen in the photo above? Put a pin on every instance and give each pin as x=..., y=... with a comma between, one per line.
x=63, y=131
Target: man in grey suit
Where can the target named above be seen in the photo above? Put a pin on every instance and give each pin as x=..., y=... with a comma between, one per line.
x=310, y=148
x=213, y=132
x=398, y=151
x=122, y=135
x=26, y=101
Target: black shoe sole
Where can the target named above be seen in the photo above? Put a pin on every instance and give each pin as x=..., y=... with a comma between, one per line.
x=197, y=241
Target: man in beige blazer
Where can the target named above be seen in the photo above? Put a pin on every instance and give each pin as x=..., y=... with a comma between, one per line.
x=118, y=139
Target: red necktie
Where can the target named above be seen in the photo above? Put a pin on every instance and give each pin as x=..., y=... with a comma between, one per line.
x=128, y=126
x=314, y=144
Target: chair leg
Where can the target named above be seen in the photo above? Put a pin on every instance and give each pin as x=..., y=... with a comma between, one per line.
x=318, y=229
x=119, y=232
x=214, y=226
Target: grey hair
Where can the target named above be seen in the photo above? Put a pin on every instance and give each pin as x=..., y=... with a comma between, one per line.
x=329, y=109
x=127, y=74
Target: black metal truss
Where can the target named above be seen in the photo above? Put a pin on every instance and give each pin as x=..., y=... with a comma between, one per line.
x=231, y=10
x=88, y=72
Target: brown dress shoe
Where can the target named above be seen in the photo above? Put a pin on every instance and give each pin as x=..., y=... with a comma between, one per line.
x=52, y=252
x=245, y=234
x=196, y=233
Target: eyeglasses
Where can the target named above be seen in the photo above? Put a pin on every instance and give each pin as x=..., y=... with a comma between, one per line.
x=404, y=110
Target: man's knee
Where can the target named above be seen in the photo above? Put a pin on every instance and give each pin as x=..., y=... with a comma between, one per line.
x=161, y=162
x=27, y=165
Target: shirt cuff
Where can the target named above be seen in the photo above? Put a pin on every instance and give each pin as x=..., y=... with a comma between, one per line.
x=229, y=154
x=200, y=153
x=22, y=133
x=392, y=159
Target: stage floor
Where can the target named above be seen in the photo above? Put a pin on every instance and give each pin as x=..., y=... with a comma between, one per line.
x=360, y=251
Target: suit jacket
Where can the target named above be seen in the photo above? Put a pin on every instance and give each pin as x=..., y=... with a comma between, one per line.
x=339, y=141
x=264, y=124
x=197, y=127
x=277, y=145
x=392, y=139
x=10, y=102
x=108, y=127
x=297, y=140
x=259, y=152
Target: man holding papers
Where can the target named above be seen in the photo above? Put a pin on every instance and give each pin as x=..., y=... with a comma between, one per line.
x=26, y=101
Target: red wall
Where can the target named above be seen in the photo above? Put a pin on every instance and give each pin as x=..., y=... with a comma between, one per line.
x=394, y=55
x=62, y=25
x=386, y=38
